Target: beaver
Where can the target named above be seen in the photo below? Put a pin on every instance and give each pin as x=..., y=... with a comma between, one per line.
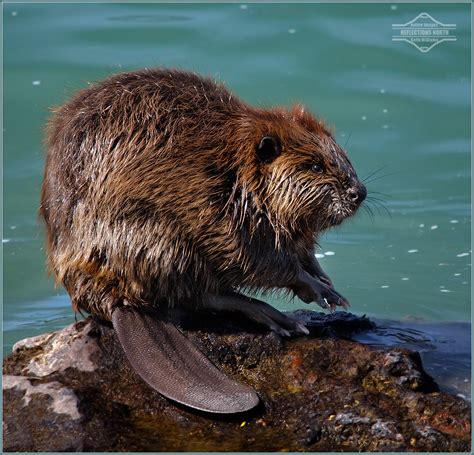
x=164, y=189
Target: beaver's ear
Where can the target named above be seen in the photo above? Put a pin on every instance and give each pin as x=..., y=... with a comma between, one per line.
x=268, y=149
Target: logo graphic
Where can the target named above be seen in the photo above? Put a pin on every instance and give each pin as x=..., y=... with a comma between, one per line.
x=424, y=32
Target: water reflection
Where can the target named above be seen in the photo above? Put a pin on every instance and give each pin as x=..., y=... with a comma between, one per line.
x=445, y=349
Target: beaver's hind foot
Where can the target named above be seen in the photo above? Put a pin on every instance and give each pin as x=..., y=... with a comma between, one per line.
x=258, y=311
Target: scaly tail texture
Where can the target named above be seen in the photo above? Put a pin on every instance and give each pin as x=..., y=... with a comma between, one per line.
x=172, y=365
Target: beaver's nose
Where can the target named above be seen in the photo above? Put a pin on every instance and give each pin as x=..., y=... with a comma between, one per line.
x=357, y=194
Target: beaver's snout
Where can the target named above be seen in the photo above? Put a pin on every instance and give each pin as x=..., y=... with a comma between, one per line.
x=357, y=193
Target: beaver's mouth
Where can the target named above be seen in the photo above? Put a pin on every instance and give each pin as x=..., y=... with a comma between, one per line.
x=334, y=205
x=342, y=207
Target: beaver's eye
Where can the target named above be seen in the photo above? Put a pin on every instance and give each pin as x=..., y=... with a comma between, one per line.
x=317, y=168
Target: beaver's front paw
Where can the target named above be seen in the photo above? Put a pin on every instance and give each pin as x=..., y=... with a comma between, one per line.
x=310, y=289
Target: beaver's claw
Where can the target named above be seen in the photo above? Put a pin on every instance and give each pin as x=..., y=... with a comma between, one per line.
x=320, y=290
x=337, y=300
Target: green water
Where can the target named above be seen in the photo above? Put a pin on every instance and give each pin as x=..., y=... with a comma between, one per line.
x=397, y=108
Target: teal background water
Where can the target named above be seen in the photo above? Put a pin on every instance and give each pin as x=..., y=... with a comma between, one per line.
x=395, y=107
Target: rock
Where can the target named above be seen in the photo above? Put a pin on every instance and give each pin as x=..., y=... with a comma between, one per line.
x=73, y=390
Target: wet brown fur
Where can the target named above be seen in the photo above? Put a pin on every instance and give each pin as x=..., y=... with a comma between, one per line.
x=154, y=193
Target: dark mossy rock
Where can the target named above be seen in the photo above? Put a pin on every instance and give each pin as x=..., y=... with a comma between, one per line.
x=73, y=390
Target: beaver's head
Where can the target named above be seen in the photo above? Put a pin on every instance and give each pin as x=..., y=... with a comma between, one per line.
x=309, y=180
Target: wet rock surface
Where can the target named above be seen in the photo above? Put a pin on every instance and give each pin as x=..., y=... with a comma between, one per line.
x=73, y=390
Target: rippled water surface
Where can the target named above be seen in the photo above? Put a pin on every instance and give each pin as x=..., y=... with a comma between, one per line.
x=398, y=111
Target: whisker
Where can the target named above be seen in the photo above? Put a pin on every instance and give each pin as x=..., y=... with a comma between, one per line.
x=381, y=194
x=375, y=206
x=378, y=177
x=374, y=172
x=368, y=211
x=379, y=205
x=373, y=198
x=347, y=140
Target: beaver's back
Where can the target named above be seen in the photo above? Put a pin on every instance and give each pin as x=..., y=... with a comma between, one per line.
x=128, y=119
x=132, y=166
